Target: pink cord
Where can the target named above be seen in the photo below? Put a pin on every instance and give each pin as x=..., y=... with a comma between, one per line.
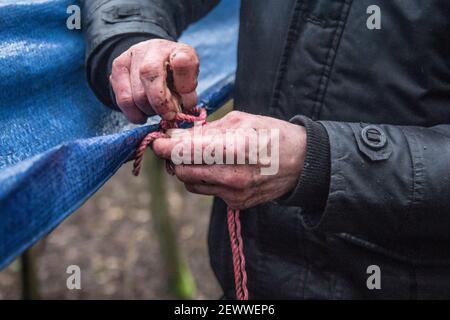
x=237, y=250
x=234, y=223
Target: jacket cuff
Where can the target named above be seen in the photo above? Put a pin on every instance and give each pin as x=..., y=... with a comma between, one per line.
x=311, y=192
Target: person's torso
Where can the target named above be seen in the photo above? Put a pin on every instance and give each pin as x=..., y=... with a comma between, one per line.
x=318, y=58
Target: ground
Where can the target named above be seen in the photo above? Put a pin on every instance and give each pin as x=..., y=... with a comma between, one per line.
x=111, y=237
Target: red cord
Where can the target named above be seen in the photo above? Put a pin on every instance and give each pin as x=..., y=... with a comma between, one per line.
x=148, y=140
x=234, y=222
x=237, y=250
x=164, y=126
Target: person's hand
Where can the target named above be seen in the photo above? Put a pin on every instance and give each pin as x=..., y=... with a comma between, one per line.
x=155, y=74
x=275, y=164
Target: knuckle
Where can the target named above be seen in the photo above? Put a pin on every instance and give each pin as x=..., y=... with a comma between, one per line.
x=118, y=63
x=125, y=100
x=187, y=48
x=185, y=57
x=160, y=149
x=234, y=116
x=149, y=71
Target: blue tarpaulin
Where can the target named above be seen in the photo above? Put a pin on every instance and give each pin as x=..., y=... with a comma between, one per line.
x=58, y=144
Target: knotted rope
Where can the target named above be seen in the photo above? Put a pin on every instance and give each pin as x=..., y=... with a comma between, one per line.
x=233, y=219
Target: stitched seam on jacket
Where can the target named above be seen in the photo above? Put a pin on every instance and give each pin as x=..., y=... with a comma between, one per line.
x=412, y=197
x=309, y=17
x=417, y=178
x=292, y=34
x=410, y=256
x=326, y=73
x=99, y=5
x=419, y=169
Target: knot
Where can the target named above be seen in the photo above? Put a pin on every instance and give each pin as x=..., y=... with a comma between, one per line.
x=165, y=125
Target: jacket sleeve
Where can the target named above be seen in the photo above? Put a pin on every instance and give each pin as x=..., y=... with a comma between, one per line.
x=384, y=180
x=109, y=25
x=106, y=19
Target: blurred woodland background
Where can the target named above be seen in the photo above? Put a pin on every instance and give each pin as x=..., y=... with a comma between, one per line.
x=115, y=239
x=136, y=238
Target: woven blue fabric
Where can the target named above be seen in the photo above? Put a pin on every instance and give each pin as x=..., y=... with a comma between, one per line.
x=58, y=144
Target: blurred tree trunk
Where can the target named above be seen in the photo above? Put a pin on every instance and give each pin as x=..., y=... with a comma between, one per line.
x=181, y=282
x=29, y=276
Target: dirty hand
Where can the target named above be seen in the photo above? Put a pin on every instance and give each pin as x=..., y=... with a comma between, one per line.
x=209, y=159
x=155, y=74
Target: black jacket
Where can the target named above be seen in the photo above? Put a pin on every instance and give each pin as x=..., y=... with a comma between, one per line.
x=376, y=104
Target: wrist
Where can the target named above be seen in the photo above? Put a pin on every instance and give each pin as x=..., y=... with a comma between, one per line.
x=296, y=152
x=311, y=191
